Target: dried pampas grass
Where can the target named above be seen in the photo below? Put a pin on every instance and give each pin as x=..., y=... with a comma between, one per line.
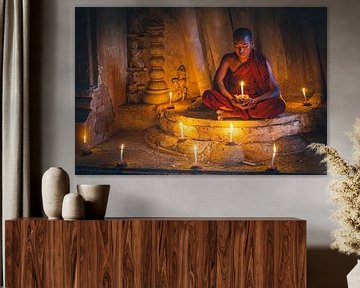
x=345, y=192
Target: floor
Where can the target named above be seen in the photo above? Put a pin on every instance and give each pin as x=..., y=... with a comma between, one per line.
x=142, y=159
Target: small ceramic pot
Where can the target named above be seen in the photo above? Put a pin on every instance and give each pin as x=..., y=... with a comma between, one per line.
x=95, y=197
x=73, y=207
x=55, y=185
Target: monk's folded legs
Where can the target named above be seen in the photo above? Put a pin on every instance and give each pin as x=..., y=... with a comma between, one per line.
x=267, y=109
x=264, y=110
x=216, y=101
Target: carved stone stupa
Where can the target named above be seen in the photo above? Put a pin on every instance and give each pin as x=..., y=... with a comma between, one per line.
x=157, y=88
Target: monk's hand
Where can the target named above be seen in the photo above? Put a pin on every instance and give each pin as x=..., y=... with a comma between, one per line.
x=234, y=102
x=248, y=103
x=241, y=98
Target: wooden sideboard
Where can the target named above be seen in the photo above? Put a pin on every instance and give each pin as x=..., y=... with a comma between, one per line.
x=156, y=252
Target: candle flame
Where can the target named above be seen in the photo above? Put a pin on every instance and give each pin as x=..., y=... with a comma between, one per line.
x=84, y=139
x=170, y=98
x=273, y=157
x=231, y=132
x=121, y=152
x=195, y=154
x=242, y=88
x=303, y=91
x=181, y=130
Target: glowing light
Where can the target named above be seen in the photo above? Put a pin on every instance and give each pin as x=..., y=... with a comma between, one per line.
x=231, y=132
x=304, y=93
x=273, y=157
x=170, y=98
x=195, y=155
x=181, y=130
x=122, y=153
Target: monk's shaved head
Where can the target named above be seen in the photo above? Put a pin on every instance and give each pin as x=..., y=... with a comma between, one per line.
x=241, y=33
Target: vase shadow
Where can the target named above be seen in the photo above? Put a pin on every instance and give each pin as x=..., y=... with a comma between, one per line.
x=328, y=268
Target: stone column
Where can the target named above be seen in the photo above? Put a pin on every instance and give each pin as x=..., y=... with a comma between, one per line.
x=157, y=88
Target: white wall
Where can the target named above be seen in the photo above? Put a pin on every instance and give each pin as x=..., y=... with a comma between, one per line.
x=296, y=196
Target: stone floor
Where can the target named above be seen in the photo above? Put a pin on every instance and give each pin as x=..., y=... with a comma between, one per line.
x=142, y=159
x=158, y=150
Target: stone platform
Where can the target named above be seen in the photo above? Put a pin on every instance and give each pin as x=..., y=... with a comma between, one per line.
x=252, y=139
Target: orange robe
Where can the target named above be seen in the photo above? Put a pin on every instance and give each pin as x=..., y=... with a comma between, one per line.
x=255, y=74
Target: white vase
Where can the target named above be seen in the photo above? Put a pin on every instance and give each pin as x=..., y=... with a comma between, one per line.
x=353, y=278
x=95, y=197
x=55, y=185
x=73, y=207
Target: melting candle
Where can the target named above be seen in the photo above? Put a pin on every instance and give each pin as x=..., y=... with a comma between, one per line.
x=242, y=88
x=231, y=132
x=122, y=153
x=273, y=157
x=181, y=130
x=304, y=93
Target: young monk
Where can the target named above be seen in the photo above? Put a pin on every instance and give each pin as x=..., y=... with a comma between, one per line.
x=261, y=91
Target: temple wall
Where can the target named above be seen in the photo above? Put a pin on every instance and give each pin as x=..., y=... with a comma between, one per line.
x=108, y=91
x=177, y=52
x=291, y=39
x=112, y=60
x=112, y=53
x=199, y=75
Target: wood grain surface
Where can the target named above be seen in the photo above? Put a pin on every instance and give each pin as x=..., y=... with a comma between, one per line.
x=162, y=252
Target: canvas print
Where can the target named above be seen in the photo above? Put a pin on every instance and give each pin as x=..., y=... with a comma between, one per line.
x=198, y=90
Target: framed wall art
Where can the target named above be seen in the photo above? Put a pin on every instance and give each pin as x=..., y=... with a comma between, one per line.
x=183, y=90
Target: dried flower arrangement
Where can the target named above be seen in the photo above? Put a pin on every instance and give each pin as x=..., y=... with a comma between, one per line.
x=345, y=191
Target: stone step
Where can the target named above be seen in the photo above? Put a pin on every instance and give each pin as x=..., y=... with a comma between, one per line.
x=253, y=140
x=203, y=125
x=222, y=152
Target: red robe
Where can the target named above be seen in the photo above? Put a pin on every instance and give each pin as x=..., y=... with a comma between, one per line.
x=255, y=74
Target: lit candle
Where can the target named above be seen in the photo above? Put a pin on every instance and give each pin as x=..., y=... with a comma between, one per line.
x=231, y=132
x=170, y=97
x=85, y=149
x=181, y=130
x=242, y=88
x=122, y=153
x=304, y=93
x=195, y=154
x=273, y=157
